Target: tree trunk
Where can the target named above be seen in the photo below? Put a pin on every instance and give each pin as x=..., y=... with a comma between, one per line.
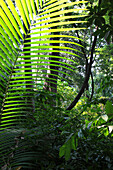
x=26, y=67
x=29, y=81
x=51, y=85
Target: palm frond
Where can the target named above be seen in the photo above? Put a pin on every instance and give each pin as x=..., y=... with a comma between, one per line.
x=27, y=33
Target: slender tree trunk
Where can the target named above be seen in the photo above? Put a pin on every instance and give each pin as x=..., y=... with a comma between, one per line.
x=29, y=81
x=51, y=85
x=29, y=69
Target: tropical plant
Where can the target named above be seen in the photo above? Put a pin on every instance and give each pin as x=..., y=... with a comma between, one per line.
x=28, y=31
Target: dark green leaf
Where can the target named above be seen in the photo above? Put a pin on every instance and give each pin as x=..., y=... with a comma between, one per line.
x=109, y=108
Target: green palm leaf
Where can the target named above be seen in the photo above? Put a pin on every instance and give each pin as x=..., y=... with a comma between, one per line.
x=28, y=29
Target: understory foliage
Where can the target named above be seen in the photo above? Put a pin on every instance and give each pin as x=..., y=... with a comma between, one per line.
x=36, y=73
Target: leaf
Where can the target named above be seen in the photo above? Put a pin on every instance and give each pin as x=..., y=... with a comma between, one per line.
x=110, y=129
x=22, y=68
x=67, y=150
x=62, y=151
x=73, y=142
x=106, y=131
x=104, y=117
x=109, y=108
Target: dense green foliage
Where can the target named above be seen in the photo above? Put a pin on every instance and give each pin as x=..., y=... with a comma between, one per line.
x=43, y=72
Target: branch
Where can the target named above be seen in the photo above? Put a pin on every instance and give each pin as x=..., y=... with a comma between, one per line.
x=82, y=48
x=86, y=78
x=87, y=73
x=92, y=86
x=81, y=44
